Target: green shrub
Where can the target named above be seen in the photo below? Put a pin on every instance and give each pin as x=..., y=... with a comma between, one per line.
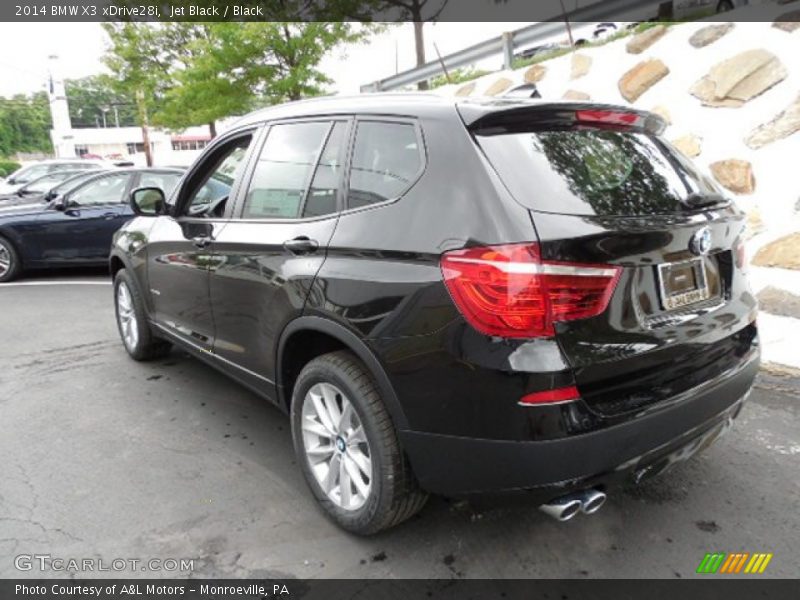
x=457, y=76
x=526, y=62
x=8, y=166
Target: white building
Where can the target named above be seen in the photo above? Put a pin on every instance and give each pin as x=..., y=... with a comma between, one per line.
x=126, y=143
x=120, y=143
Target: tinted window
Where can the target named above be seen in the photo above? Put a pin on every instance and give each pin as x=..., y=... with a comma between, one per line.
x=594, y=172
x=108, y=190
x=71, y=165
x=386, y=160
x=72, y=183
x=165, y=181
x=321, y=198
x=224, y=167
x=30, y=173
x=283, y=170
x=43, y=184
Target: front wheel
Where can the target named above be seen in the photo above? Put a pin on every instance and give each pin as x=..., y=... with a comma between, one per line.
x=132, y=323
x=348, y=449
x=9, y=261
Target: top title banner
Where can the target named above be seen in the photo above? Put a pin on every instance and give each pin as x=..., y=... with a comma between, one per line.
x=376, y=10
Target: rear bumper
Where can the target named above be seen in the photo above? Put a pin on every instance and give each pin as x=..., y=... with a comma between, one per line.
x=629, y=451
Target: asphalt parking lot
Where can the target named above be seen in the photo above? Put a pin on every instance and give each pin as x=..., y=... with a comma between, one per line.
x=102, y=457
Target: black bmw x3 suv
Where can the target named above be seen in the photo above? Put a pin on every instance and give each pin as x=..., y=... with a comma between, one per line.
x=453, y=297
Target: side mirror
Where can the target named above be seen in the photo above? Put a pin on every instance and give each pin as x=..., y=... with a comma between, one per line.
x=148, y=202
x=60, y=203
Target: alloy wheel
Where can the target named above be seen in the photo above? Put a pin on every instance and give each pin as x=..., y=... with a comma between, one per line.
x=5, y=259
x=126, y=315
x=336, y=446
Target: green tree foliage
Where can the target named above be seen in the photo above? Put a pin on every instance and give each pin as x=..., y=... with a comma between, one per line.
x=89, y=97
x=25, y=124
x=196, y=73
x=134, y=66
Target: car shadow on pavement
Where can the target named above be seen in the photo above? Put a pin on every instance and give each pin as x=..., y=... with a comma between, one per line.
x=65, y=274
x=687, y=505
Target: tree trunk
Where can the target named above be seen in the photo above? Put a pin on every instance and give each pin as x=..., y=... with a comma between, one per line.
x=148, y=154
x=212, y=129
x=419, y=42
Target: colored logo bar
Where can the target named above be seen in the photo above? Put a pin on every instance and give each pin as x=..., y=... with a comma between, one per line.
x=734, y=563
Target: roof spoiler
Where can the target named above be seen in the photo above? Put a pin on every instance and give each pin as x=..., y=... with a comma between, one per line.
x=513, y=116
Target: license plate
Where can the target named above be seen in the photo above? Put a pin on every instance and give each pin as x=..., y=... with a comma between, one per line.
x=683, y=283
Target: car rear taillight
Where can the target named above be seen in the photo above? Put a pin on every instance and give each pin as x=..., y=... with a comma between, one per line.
x=608, y=117
x=619, y=119
x=554, y=396
x=509, y=291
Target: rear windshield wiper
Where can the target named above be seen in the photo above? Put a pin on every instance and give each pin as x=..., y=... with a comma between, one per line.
x=698, y=199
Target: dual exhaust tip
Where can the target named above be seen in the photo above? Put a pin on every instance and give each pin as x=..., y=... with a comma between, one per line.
x=566, y=507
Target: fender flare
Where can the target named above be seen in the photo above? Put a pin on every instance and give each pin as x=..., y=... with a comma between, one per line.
x=118, y=255
x=353, y=343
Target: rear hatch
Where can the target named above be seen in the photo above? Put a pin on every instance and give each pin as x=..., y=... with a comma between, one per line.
x=603, y=187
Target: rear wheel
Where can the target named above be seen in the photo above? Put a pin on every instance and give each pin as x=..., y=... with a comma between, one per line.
x=132, y=323
x=9, y=261
x=348, y=449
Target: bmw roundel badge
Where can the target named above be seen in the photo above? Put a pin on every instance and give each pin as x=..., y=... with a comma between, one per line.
x=700, y=243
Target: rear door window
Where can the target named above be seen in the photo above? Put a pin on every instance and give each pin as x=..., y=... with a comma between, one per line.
x=284, y=169
x=107, y=190
x=594, y=172
x=387, y=159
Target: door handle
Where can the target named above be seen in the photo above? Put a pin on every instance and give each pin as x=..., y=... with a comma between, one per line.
x=202, y=241
x=301, y=245
x=109, y=215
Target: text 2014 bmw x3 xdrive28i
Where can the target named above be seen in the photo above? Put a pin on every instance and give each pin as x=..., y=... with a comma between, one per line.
x=461, y=298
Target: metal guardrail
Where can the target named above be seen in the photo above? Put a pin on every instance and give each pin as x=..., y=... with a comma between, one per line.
x=538, y=32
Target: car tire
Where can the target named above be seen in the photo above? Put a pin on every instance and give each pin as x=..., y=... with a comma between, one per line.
x=10, y=263
x=393, y=495
x=724, y=6
x=132, y=323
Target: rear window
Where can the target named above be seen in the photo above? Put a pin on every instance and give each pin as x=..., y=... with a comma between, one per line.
x=594, y=172
x=386, y=160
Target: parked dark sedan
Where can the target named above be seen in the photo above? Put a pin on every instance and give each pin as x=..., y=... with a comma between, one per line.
x=72, y=224
x=457, y=297
x=41, y=187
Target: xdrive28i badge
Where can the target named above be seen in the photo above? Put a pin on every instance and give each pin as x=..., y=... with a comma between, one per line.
x=700, y=243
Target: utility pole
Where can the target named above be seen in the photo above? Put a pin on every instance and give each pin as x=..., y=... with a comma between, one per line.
x=419, y=47
x=441, y=63
x=566, y=22
x=148, y=155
